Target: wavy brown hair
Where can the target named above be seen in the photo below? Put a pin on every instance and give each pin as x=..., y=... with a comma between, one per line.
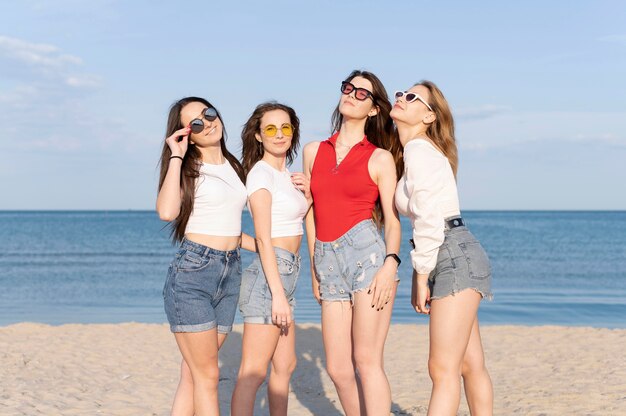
x=192, y=162
x=441, y=131
x=252, y=150
x=379, y=129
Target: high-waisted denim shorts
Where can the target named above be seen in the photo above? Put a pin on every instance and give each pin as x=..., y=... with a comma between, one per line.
x=255, y=302
x=202, y=288
x=461, y=264
x=348, y=265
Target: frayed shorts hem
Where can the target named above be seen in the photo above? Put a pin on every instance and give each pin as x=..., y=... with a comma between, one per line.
x=484, y=295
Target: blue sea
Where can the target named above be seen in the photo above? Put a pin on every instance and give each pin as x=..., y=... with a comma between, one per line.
x=549, y=268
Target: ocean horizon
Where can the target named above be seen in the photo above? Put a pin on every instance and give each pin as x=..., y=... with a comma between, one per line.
x=108, y=266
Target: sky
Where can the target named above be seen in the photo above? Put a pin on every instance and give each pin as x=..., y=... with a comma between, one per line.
x=537, y=89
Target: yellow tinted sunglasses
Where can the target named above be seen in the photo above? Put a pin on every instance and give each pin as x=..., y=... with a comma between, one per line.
x=270, y=130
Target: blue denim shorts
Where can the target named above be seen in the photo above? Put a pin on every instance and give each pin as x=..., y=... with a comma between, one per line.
x=202, y=288
x=255, y=302
x=461, y=264
x=348, y=265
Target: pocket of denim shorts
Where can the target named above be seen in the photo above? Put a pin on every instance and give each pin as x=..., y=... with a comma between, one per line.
x=286, y=271
x=191, y=261
x=248, y=281
x=365, y=238
x=477, y=260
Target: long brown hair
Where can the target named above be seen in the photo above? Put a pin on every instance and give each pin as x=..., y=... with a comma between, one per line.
x=379, y=129
x=252, y=150
x=191, y=164
x=441, y=131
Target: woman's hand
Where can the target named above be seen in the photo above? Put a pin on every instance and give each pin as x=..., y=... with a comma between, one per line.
x=301, y=182
x=420, y=294
x=281, y=311
x=383, y=285
x=179, y=147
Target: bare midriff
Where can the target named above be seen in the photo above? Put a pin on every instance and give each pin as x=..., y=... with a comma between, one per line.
x=291, y=244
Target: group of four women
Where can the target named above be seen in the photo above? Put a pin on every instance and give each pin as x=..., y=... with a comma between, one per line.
x=348, y=192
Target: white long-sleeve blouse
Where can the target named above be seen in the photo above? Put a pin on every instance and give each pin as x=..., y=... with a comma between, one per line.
x=427, y=194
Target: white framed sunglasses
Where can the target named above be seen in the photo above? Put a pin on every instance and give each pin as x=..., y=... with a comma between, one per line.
x=409, y=97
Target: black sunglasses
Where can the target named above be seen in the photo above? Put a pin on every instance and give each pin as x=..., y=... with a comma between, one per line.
x=360, y=94
x=197, y=125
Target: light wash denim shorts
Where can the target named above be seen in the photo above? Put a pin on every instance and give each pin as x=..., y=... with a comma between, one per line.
x=462, y=264
x=202, y=288
x=255, y=301
x=348, y=265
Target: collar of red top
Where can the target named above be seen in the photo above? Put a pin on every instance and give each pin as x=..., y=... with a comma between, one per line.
x=333, y=140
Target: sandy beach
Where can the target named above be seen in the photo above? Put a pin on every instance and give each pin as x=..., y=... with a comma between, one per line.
x=132, y=369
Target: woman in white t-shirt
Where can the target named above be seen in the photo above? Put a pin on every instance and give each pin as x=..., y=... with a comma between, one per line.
x=278, y=201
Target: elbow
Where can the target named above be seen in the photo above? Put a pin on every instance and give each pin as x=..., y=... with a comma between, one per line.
x=167, y=215
x=263, y=243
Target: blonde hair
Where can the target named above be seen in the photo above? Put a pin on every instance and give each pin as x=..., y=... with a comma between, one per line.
x=441, y=131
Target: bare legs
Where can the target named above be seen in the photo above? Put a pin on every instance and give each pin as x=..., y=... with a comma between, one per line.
x=455, y=351
x=262, y=344
x=184, y=399
x=354, y=337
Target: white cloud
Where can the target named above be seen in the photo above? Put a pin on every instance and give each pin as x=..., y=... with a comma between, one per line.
x=36, y=54
x=29, y=61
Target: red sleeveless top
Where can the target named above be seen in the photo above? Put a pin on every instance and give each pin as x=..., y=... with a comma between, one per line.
x=344, y=194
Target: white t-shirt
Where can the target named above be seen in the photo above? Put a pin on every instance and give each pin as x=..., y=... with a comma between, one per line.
x=289, y=206
x=427, y=194
x=219, y=201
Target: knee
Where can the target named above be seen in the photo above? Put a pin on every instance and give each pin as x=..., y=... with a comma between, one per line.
x=208, y=374
x=340, y=373
x=440, y=370
x=367, y=363
x=286, y=368
x=251, y=376
x=472, y=365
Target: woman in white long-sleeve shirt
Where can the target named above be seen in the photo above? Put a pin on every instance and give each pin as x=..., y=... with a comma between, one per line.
x=451, y=270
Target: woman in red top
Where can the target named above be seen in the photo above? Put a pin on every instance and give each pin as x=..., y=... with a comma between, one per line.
x=353, y=179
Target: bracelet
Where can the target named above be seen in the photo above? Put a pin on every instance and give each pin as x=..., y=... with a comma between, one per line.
x=176, y=157
x=395, y=257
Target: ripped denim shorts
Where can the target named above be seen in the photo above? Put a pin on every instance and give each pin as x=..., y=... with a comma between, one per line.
x=348, y=265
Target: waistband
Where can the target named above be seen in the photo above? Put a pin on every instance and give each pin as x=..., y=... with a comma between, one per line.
x=205, y=251
x=450, y=223
x=349, y=236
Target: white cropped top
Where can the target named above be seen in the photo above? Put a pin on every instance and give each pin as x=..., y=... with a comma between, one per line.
x=289, y=206
x=219, y=201
x=427, y=194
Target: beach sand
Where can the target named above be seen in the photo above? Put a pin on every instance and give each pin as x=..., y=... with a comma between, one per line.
x=132, y=369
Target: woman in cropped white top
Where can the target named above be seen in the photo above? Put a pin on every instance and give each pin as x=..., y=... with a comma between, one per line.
x=451, y=270
x=202, y=195
x=278, y=202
